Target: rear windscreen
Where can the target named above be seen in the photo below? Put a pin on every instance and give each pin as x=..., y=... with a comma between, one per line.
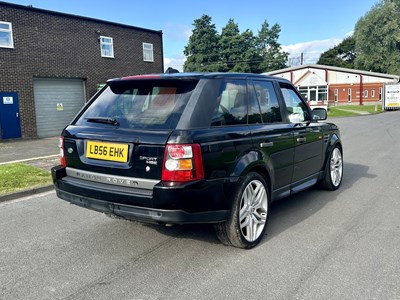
x=147, y=104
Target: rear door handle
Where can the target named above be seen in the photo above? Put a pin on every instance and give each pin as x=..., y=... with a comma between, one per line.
x=266, y=144
x=301, y=139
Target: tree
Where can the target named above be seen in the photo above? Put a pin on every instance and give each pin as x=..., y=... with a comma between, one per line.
x=229, y=45
x=250, y=53
x=233, y=48
x=377, y=38
x=202, y=50
x=268, y=50
x=233, y=51
x=342, y=55
x=247, y=52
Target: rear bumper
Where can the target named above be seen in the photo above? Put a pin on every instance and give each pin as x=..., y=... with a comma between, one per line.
x=194, y=202
x=144, y=214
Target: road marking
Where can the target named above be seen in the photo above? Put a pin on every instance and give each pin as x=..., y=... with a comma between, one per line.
x=28, y=159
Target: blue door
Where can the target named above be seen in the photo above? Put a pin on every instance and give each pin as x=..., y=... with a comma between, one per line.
x=10, y=126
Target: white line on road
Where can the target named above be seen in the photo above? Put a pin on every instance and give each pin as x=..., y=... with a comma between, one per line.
x=28, y=159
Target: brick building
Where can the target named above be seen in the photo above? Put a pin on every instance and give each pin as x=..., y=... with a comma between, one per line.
x=51, y=63
x=332, y=85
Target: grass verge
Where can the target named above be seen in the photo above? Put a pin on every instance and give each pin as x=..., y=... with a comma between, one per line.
x=18, y=177
x=353, y=110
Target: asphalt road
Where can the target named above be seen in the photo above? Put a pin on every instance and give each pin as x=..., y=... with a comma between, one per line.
x=16, y=150
x=319, y=245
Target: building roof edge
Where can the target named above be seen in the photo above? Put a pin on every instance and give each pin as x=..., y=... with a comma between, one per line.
x=338, y=69
x=56, y=13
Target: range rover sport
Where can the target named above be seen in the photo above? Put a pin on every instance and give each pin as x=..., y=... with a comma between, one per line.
x=197, y=148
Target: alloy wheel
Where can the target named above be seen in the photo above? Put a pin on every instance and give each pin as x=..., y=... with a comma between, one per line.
x=253, y=210
x=336, y=167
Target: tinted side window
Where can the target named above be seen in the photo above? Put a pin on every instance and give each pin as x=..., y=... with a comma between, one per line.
x=296, y=108
x=231, y=104
x=266, y=96
x=254, y=106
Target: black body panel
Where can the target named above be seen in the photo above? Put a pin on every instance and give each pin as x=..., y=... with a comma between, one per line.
x=290, y=156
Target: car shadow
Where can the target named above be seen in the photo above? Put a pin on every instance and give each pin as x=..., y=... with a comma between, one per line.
x=284, y=213
x=200, y=232
x=290, y=211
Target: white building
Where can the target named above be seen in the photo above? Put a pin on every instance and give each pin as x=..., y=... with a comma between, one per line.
x=321, y=84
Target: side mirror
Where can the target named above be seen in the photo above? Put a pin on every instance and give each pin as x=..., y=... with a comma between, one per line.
x=319, y=114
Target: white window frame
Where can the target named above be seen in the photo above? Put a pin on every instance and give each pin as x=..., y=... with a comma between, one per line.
x=9, y=31
x=366, y=94
x=380, y=93
x=148, y=54
x=104, y=43
x=372, y=93
x=335, y=95
x=349, y=95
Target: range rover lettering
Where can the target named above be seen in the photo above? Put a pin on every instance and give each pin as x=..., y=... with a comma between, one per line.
x=197, y=148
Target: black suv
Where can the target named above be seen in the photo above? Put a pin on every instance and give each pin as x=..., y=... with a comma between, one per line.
x=197, y=148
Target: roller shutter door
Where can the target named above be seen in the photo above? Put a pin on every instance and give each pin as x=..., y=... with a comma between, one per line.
x=57, y=101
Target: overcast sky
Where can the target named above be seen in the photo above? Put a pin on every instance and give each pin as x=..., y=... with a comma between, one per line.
x=309, y=26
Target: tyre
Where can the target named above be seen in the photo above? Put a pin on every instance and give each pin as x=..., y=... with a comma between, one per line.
x=333, y=171
x=249, y=214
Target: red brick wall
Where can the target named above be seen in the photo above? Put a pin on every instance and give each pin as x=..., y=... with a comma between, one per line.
x=355, y=93
x=52, y=45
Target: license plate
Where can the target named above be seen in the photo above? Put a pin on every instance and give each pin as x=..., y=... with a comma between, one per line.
x=107, y=151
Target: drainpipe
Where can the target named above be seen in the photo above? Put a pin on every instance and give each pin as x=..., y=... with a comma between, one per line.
x=327, y=86
x=361, y=90
x=162, y=51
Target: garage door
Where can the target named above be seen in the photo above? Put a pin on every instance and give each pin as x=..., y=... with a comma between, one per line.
x=57, y=101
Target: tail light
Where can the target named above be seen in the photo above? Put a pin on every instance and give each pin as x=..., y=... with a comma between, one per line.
x=62, y=154
x=182, y=163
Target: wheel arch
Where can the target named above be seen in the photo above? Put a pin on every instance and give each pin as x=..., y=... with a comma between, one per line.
x=333, y=142
x=253, y=162
x=263, y=171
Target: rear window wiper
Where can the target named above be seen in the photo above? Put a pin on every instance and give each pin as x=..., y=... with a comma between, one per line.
x=103, y=120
